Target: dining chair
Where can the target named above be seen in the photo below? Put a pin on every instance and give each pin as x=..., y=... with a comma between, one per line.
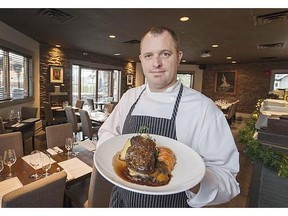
x=99, y=191
x=56, y=134
x=2, y=128
x=91, y=104
x=28, y=112
x=109, y=107
x=12, y=140
x=29, y=132
x=46, y=192
x=87, y=128
x=231, y=114
x=71, y=118
x=49, y=117
x=79, y=104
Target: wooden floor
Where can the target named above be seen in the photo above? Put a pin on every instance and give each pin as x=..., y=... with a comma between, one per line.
x=244, y=176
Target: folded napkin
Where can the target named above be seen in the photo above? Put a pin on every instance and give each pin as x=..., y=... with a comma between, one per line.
x=27, y=160
x=51, y=151
x=75, y=168
x=57, y=149
x=17, y=125
x=88, y=144
x=8, y=186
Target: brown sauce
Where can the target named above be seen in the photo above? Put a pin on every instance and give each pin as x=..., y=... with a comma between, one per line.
x=122, y=171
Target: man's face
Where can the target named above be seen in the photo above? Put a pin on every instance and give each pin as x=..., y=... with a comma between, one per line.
x=160, y=60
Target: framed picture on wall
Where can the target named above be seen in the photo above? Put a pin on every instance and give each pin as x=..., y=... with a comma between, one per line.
x=129, y=79
x=56, y=74
x=226, y=82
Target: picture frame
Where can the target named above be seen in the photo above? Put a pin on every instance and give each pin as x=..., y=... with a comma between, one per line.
x=226, y=82
x=56, y=74
x=129, y=79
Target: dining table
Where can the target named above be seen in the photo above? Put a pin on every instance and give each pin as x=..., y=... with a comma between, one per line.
x=78, y=166
x=223, y=105
x=96, y=116
x=26, y=127
x=100, y=104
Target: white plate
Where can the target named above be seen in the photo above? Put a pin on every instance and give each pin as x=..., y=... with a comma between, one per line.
x=188, y=171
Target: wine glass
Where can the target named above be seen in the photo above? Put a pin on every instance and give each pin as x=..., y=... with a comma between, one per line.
x=95, y=139
x=69, y=145
x=11, y=115
x=9, y=159
x=1, y=163
x=46, y=164
x=77, y=139
x=19, y=116
x=35, y=161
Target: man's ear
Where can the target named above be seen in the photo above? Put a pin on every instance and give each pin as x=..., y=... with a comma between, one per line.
x=180, y=55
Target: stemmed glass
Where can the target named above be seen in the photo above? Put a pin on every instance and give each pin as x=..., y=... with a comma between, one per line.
x=46, y=164
x=77, y=139
x=9, y=159
x=95, y=140
x=1, y=164
x=35, y=161
x=19, y=116
x=11, y=115
x=69, y=145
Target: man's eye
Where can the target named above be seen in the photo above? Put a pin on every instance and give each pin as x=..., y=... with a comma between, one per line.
x=166, y=54
x=148, y=56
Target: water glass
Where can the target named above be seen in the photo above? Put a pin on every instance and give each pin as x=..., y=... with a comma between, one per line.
x=11, y=115
x=9, y=159
x=95, y=140
x=46, y=164
x=1, y=163
x=35, y=161
x=77, y=140
x=69, y=145
x=19, y=116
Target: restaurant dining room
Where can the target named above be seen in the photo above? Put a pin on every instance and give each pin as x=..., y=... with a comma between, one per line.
x=67, y=76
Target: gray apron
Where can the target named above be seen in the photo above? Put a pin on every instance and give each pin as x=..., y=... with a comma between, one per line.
x=160, y=126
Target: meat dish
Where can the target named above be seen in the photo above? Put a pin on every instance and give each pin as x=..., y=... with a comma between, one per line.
x=141, y=161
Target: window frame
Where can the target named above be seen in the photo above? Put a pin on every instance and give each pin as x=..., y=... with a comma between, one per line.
x=7, y=48
x=97, y=68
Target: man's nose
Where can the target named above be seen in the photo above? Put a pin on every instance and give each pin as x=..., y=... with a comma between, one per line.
x=157, y=61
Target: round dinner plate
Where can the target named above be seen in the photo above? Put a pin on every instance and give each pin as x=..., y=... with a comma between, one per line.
x=188, y=171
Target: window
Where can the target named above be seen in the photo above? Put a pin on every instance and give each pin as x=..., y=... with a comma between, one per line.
x=187, y=79
x=16, y=75
x=97, y=84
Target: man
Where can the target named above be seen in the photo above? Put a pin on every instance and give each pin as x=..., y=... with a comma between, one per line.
x=185, y=115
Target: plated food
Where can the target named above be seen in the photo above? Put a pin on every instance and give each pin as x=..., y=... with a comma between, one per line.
x=187, y=172
x=143, y=162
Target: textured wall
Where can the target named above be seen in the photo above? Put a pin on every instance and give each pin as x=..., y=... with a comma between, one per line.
x=253, y=82
x=50, y=55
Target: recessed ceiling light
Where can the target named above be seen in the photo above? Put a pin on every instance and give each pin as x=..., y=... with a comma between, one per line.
x=85, y=53
x=183, y=60
x=117, y=54
x=112, y=36
x=215, y=45
x=57, y=45
x=184, y=19
x=233, y=62
x=228, y=57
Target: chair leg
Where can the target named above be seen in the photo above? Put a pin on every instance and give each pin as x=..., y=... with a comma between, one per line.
x=33, y=143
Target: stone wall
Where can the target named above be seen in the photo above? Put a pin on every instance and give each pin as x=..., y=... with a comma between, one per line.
x=50, y=55
x=253, y=82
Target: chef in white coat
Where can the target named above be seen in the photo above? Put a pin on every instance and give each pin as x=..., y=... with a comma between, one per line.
x=170, y=109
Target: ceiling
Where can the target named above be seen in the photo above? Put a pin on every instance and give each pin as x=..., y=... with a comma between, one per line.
x=239, y=32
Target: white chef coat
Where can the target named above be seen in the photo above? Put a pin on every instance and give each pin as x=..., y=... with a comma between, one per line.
x=200, y=125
